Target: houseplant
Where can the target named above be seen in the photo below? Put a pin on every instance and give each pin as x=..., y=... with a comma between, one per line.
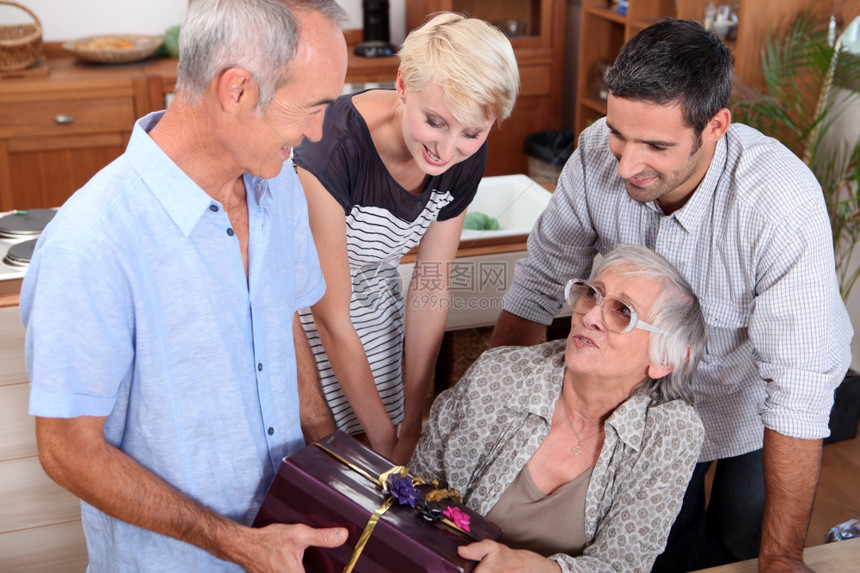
x=810, y=83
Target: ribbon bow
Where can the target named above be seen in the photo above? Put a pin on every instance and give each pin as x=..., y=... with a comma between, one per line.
x=401, y=486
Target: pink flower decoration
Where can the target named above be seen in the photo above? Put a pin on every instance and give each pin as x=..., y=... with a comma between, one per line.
x=459, y=518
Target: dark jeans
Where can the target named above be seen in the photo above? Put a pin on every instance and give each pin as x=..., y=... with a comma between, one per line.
x=730, y=529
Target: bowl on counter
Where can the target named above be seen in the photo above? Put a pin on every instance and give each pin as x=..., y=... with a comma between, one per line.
x=114, y=49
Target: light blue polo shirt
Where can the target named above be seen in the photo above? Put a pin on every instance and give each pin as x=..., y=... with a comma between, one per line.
x=137, y=308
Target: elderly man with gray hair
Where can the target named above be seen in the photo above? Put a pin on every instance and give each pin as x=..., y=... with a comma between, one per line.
x=160, y=303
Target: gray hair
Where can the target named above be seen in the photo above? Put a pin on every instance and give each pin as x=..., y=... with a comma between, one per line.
x=676, y=311
x=260, y=36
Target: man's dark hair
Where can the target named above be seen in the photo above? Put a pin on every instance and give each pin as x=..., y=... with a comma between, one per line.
x=675, y=61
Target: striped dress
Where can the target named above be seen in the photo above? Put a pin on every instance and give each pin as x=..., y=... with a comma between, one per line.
x=383, y=222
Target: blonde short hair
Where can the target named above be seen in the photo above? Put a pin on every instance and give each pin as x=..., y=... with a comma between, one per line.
x=472, y=60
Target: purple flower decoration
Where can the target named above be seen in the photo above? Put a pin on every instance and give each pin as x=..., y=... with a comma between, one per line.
x=456, y=515
x=403, y=490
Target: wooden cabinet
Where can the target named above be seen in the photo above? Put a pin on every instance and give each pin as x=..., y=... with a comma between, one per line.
x=603, y=32
x=44, y=167
x=59, y=129
x=40, y=525
x=539, y=52
x=60, y=125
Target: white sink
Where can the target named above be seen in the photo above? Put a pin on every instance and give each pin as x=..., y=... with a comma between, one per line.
x=515, y=201
x=478, y=283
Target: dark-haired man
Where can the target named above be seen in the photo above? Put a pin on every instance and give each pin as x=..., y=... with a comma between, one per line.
x=744, y=220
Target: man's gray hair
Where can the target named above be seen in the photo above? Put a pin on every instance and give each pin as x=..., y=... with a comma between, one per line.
x=260, y=36
x=676, y=311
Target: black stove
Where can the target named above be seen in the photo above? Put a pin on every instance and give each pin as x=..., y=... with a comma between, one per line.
x=25, y=224
x=19, y=254
x=18, y=233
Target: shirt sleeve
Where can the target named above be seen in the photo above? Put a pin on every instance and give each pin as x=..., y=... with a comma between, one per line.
x=441, y=447
x=465, y=185
x=310, y=283
x=79, y=334
x=428, y=460
x=560, y=246
x=798, y=326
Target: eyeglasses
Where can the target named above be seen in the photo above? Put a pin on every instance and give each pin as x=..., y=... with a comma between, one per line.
x=618, y=316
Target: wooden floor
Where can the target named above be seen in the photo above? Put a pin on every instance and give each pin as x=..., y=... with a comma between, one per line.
x=838, y=496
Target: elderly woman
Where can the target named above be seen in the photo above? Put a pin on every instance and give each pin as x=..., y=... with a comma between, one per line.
x=580, y=449
x=396, y=169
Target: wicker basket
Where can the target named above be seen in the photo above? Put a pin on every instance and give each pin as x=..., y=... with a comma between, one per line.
x=459, y=350
x=20, y=44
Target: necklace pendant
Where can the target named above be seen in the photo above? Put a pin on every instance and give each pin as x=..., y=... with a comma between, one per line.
x=577, y=449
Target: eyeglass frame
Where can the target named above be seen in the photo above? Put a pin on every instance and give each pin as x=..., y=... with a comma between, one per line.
x=635, y=321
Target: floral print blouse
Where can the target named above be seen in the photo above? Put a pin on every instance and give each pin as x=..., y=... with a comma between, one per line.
x=483, y=430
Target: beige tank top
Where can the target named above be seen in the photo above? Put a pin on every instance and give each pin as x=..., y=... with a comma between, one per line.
x=545, y=524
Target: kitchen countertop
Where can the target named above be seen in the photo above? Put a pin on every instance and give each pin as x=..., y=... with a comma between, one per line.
x=9, y=290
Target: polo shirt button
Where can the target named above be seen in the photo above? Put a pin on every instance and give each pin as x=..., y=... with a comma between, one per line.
x=230, y=232
x=271, y=431
x=260, y=367
x=213, y=208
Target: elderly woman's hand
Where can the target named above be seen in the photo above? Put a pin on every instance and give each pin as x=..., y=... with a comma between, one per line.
x=497, y=557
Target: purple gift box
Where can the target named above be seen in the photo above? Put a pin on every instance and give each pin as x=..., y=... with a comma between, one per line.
x=334, y=483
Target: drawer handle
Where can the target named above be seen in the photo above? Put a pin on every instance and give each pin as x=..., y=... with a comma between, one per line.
x=63, y=119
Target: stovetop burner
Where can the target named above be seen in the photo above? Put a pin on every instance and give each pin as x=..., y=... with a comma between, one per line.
x=19, y=254
x=25, y=224
x=18, y=233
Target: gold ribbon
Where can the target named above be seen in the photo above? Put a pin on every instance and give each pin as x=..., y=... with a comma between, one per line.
x=368, y=531
x=381, y=481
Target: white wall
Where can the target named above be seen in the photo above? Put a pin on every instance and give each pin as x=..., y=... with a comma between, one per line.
x=70, y=19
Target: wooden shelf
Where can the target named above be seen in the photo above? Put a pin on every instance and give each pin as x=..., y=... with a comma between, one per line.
x=606, y=14
x=594, y=104
x=603, y=32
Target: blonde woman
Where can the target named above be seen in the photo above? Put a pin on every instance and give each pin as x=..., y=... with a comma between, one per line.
x=395, y=169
